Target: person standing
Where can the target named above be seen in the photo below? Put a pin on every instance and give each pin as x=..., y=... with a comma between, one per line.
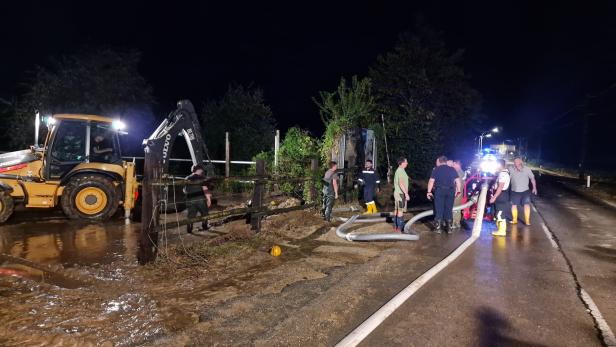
x=370, y=180
x=500, y=198
x=198, y=197
x=330, y=190
x=446, y=185
x=521, y=175
x=401, y=193
x=457, y=215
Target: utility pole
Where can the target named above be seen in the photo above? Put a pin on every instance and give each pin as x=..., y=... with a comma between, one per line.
x=584, y=137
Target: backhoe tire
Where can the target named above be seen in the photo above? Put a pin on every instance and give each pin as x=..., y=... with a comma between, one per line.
x=90, y=197
x=7, y=206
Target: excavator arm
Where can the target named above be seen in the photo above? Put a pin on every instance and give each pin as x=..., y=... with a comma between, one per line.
x=181, y=122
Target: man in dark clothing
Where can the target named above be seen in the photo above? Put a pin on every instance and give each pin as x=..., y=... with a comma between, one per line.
x=102, y=149
x=330, y=190
x=369, y=179
x=446, y=185
x=198, y=197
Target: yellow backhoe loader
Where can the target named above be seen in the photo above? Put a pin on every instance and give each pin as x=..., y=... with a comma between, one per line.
x=79, y=167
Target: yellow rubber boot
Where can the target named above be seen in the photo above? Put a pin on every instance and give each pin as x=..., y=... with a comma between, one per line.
x=501, y=226
x=367, y=208
x=527, y=214
x=514, y=214
x=374, y=210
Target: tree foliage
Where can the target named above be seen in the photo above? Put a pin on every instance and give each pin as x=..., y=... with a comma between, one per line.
x=243, y=113
x=345, y=108
x=296, y=150
x=93, y=81
x=426, y=98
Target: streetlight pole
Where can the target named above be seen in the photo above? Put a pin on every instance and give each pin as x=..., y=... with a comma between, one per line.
x=486, y=134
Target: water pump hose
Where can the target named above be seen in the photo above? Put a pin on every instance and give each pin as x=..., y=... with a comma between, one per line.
x=408, y=235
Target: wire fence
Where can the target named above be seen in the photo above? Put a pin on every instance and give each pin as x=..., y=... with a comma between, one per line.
x=248, y=197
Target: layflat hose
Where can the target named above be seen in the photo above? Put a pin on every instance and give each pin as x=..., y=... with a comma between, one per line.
x=341, y=231
x=346, y=209
x=424, y=214
x=363, y=330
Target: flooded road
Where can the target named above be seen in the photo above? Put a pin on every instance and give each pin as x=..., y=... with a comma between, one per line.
x=68, y=284
x=71, y=283
x=51, y=241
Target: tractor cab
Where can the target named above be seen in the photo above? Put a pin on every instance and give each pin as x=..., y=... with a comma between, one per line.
x=76, y=139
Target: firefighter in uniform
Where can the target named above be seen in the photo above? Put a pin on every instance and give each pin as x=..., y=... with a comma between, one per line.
x=369, y=179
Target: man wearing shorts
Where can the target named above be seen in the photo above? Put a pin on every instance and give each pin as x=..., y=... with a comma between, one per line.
x=457, y=215
x=401, y=193
x=520, y=190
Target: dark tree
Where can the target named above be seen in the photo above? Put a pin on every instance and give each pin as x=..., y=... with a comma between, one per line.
x=350, y=106
x=243, y=113
x=94, y=81
x=425, y=97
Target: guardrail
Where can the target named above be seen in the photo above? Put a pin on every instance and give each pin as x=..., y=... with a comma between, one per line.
x=239, y=162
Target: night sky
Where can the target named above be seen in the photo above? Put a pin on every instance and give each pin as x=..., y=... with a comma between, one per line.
x=531, y=61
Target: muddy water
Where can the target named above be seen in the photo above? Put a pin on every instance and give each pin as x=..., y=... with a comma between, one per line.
x=44, y=304
x=131, y=305
x=65, y=242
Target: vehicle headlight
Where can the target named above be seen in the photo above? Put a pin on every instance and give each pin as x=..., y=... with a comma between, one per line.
x=488, y=166
x=118, y=125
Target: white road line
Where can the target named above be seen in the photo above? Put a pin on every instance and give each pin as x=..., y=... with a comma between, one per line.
x=608, y=334
x=378, y=317
x=549, y=235
x=604, y=328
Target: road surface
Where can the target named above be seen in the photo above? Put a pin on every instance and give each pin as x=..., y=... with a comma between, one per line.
x=519, y=290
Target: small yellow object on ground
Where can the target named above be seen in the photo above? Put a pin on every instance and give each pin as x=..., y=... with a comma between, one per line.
x=275, y=251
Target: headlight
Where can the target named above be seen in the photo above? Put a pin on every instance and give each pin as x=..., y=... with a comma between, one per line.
x=488, y=166
x=118, y=125
x=49, y=121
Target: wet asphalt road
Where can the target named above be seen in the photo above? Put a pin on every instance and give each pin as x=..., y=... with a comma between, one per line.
x=518, y=290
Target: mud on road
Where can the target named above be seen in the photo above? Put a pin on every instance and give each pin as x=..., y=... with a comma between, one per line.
x=216, y=288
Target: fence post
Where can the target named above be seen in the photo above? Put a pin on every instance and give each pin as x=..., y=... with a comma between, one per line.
x=227, y=155
x=257, y=197
x=276, y=148
x=314, y=168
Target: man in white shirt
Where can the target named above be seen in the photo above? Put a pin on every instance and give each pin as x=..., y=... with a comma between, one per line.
x=500, y=198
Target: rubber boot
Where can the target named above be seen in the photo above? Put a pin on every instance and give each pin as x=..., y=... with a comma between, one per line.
x=514, y=215
x=527, y=215
x=368, y=208
x=438, y=227
x=374, y=210
x=501, y=226
x=189, y=228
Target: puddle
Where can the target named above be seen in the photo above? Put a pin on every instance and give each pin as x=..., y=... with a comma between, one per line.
x=69, y=242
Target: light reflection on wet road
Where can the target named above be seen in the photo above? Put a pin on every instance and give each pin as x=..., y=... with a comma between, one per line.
x=58, y=241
